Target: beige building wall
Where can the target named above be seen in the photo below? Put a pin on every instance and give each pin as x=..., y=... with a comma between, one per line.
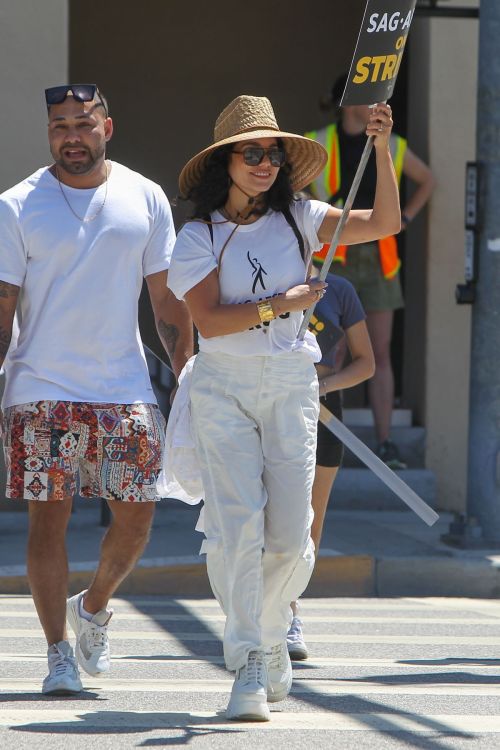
x=443, y=71
x=169, y=68
x=33, y=55
x=450, y=71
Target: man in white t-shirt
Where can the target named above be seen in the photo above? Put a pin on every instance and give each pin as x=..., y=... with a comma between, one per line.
x=79, y=413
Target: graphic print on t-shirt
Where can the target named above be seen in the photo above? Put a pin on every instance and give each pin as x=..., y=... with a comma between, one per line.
x=257, y=272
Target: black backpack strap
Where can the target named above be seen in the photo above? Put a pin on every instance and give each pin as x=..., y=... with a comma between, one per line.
x=293, y=224
x=208, y=220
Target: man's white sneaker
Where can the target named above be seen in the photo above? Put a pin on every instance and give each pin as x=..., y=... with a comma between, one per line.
x=295, y=641
x=92, y=645
x=63, y=677
x=279, y=671
x=248, y=700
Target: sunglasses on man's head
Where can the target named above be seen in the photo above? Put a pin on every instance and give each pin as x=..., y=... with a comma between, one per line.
x=82, y=92
x=253, y=155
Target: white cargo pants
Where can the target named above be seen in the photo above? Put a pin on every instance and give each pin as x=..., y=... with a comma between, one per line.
x=254, y=421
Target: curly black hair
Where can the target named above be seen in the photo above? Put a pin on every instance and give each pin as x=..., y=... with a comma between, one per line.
x=211, y=192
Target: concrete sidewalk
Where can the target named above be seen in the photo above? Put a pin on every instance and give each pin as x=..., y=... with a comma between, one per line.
x=363, y=553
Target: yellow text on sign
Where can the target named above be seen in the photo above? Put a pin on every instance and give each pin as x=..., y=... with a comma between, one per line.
x=378, y=68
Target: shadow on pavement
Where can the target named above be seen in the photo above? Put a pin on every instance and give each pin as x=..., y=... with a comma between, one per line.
x=130, y=722
x=387, y=720
x=199, y=650
x=380, y=718
x=86, y=695
x=449, y=678
x=342, y=704
x=450, y=661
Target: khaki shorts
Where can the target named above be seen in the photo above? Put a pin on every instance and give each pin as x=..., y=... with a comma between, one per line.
x=54, y=449
x=363, y=271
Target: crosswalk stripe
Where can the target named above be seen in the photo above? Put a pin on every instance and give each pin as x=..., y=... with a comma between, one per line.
x=31, y=614
x=183, y=661
x=312, y=662
x=451, y=602
x=163, y=635
x=300, y=687
x=406, y=604
x=429, y=724
x=465, y=685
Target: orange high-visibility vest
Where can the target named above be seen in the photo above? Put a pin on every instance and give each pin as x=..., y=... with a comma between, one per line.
x=387, y=251
x=327, y=184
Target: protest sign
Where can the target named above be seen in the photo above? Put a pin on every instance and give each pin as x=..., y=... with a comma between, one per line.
x=379, y=51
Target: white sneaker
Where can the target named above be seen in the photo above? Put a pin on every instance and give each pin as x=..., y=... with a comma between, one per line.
x=92, y=645
x=248, y=700
x=295, y=641
x=63, y=677
x=279, y=671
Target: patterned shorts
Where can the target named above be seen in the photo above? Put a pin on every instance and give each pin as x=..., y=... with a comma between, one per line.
x=114, y=450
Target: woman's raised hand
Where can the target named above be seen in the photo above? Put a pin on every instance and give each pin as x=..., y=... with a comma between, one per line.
x=380, y=124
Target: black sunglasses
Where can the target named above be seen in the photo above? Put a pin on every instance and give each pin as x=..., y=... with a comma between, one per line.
x=82, y=92
x=253, y=155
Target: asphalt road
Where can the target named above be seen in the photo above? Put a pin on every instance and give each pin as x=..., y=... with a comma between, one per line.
x=393, y=673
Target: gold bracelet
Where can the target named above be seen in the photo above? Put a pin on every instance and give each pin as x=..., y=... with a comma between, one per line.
x=265, y=310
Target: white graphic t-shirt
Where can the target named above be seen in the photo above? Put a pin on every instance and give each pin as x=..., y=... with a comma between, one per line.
x=261, y=261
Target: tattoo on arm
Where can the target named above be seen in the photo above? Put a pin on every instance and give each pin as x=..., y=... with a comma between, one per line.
x=8, y=290
x=169, y=334
x=5, y=337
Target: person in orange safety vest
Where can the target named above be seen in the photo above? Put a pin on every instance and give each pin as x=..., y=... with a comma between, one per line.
x=373, y=268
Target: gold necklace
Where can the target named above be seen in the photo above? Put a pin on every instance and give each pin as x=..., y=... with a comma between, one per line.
x=84, y=218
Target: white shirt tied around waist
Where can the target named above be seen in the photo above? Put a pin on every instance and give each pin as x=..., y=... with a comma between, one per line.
x=81, y=281
x=260, y=261
x=180, y=476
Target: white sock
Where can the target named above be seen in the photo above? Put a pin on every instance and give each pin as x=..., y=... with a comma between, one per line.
x=83, y=612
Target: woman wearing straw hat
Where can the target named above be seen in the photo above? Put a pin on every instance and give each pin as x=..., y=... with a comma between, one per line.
x=242, y=264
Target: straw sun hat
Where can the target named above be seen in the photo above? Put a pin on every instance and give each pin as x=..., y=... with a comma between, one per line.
x=247, y=118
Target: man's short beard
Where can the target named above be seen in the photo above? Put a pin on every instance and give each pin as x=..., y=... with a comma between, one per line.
x=81, y=167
